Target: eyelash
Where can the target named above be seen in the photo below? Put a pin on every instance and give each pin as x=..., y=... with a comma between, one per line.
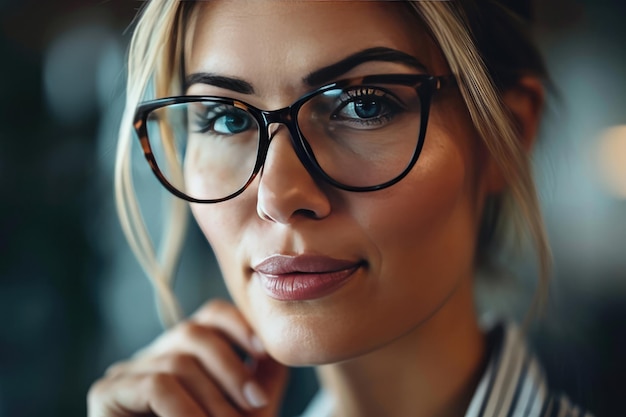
x=392, y=106
x=206, y=120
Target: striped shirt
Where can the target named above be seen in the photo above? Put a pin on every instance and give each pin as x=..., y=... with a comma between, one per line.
x=513, y=385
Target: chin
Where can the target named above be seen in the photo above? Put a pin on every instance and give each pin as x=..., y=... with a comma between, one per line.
x=305, y=342
x=301, y=355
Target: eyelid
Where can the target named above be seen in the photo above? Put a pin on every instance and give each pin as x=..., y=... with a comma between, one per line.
x=360, y=91
x=384, y=94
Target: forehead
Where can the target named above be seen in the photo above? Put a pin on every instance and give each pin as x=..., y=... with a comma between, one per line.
x=267, y=40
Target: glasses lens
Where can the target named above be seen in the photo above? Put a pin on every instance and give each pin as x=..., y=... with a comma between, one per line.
x=365, y=135
x=205, y=149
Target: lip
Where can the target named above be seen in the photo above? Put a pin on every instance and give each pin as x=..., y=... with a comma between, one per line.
x=303, y=277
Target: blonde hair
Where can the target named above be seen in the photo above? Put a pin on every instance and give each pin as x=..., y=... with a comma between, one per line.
x=155, y=62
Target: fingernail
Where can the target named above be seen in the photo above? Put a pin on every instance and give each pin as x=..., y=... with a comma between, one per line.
x=254, y=395
x=257, y=344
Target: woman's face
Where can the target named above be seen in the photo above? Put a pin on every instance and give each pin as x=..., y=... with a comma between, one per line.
x=324, y=274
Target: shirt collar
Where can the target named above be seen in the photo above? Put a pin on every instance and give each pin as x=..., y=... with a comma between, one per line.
x=513, y=383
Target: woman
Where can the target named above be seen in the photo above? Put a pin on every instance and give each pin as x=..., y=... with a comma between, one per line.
x=349, y=163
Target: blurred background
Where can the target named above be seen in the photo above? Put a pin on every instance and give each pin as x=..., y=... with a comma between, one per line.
x=73, y=299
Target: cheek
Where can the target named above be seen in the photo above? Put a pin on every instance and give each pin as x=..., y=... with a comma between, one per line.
x=424, y=205
x=423, y=231
x=225, y=226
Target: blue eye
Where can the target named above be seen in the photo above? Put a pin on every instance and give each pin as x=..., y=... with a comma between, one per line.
x=223, y=120
x=365, y=108
x=233, y=123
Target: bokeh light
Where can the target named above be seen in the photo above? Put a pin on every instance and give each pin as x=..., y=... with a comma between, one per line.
x=611, y=160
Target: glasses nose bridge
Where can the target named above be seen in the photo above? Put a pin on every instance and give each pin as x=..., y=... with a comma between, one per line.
x=284, y=116
x=281, y=116
x=287, y=117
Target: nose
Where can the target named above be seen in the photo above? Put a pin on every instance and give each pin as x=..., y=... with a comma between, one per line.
x=287, y=191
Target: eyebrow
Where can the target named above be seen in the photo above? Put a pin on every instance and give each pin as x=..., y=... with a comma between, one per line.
x=315, y=78
x=229, y=83
x=333, y=71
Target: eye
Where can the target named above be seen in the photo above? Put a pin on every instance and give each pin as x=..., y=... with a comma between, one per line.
x=365, y=107
x=232, y=123
x=223, y=120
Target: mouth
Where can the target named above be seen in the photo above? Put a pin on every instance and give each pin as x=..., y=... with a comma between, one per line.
x=303, y=277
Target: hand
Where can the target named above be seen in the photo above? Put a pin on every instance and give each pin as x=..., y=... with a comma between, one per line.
x=193, y=370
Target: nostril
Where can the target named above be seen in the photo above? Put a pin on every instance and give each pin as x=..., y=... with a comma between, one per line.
x=306, y=213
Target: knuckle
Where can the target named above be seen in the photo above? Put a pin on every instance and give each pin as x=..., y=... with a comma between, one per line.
x=159, y=382
x=180, y=362
x=192, y=331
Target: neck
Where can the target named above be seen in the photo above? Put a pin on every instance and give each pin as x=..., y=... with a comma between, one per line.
x=432, y=371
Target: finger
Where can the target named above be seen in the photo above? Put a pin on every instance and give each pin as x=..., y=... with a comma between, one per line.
x=190, y=373
x=228, y=319
x=212, y=398
x=223, y=365
x=273, y=377
x=158, y=393
x=217, y=358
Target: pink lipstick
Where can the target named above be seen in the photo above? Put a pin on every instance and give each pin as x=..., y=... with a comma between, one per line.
x=303, y=277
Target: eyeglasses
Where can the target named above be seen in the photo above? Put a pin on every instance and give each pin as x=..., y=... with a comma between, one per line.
x=359, y=134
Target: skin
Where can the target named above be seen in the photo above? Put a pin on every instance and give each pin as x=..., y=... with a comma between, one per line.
x=417, y=237
x=401, y=336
